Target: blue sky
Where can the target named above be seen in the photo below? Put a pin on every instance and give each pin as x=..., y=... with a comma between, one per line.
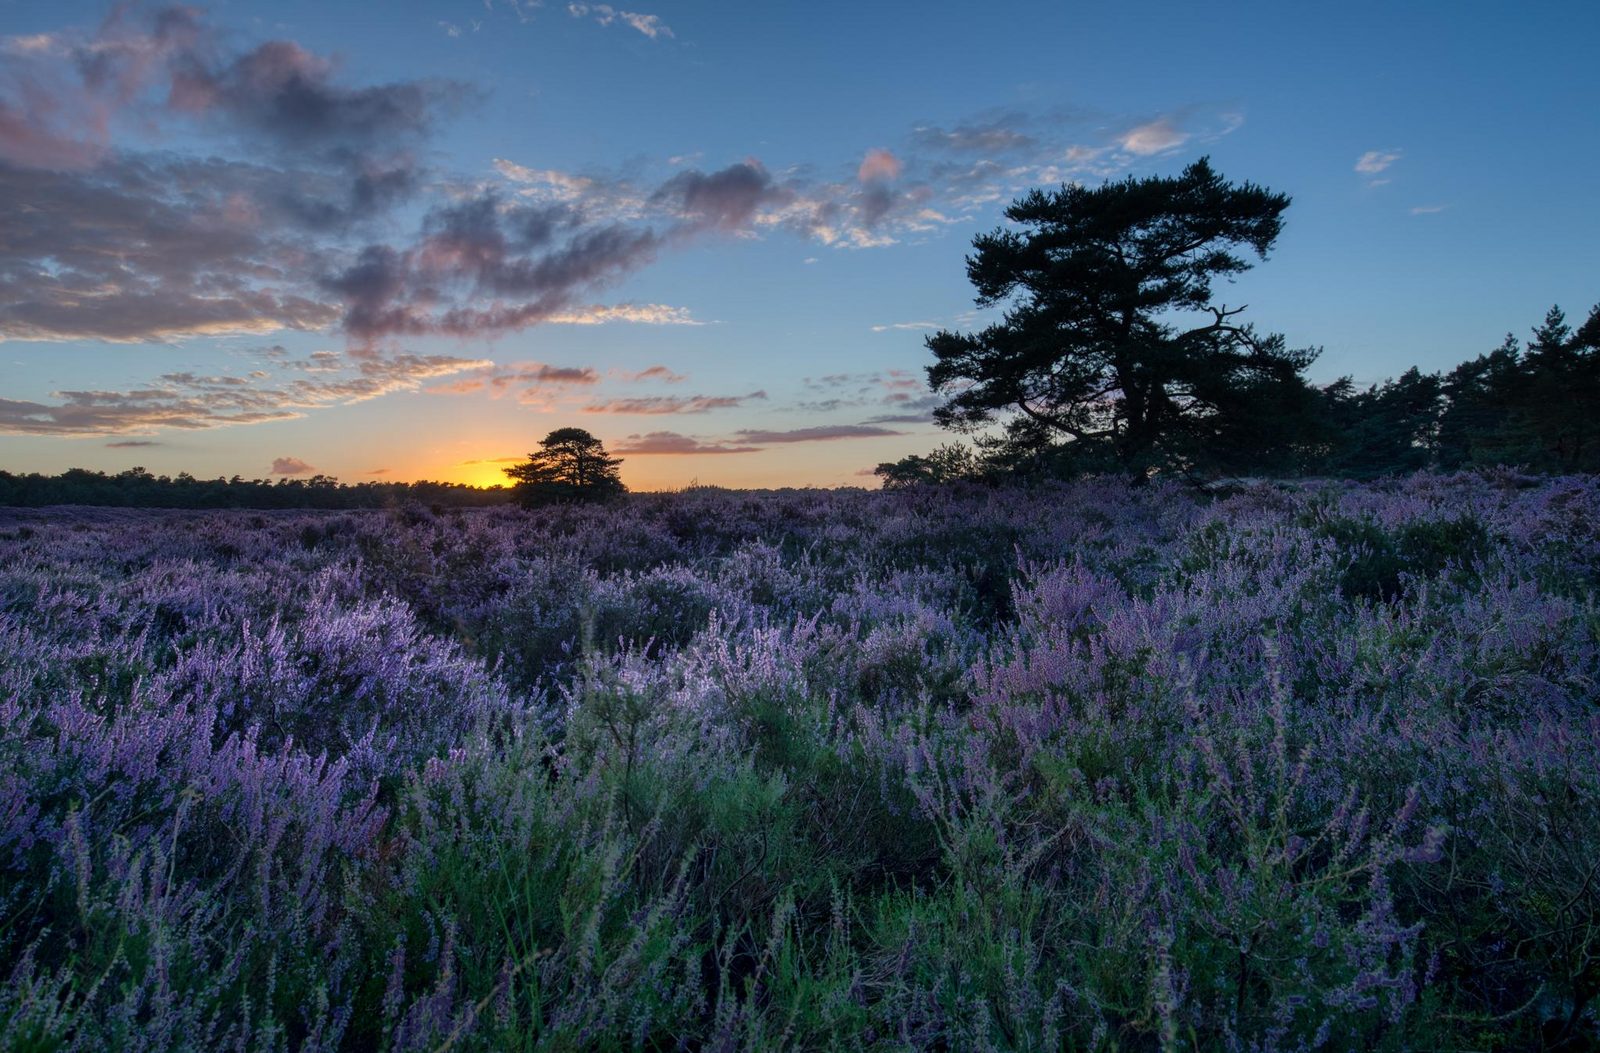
x=406, y=240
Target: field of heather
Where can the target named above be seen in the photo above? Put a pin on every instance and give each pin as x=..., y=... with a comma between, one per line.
x=1080, y=768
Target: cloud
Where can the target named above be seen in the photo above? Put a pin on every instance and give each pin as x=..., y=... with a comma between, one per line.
x=904, y=325
x=526, y=376
x=324, y=219
x=130, y=444
x=820, y=433
x=1374, y=161
x=650, y=25
x=726, y=199
x=1427, y=210
x=60, y=93
x=894, y=389
x=128, y=247
x=671, y=442
x=652, y=405
x=464, y=284
x=661, y=373
x=1001, y=133
x=147, y=250
x=60, y=96
x=290, y=97
x=188, y=401
x=291, y=466
x=746, y=441
x=902, y=418
x=878, y=164
x=891, y=380
x=636, y=313
x=1153, y=137
x=377, y=471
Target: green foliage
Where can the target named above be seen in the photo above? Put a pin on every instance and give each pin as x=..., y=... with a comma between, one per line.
x=1380, y=560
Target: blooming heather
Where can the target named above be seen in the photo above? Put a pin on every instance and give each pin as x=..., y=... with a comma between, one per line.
x=1077, y=766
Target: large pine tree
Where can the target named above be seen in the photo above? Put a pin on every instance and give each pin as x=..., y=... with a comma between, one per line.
x=1113, y=351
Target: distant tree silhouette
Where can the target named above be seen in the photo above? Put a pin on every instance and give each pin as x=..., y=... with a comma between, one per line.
x=1537, y=408
x=1390, y=428
x=137, y=488
x=1560, y=396
x=945, y=464
x=1479, y=402
x=570, y=465
x=1090, y=367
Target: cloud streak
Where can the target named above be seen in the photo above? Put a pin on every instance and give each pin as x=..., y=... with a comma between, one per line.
x=1374, y=161
x=657, y=405
x=191, y=402
x=667, y=443
x=606, y=15
x=819, y=433
x=1153, y=137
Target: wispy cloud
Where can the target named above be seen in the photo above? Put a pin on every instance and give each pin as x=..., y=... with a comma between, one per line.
x=661, y=373
x=670, y=442
x=1427, y=210
x=819, y=433
x=745, y=441
x=655, y=405
x=523, y=378
x=1374, y=161
x=189, y=401
x=1153, y=137
x=904, y=325
x=995, y=134
x=901, y=418
x=650, y=25
x=635, y=313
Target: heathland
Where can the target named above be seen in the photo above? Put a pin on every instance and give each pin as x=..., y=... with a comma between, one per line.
x=1077, y=766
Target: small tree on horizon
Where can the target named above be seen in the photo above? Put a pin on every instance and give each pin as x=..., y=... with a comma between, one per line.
x=570, y=465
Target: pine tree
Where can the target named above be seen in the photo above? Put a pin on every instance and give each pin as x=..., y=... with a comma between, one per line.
x=1093, y=363
x=570, y=465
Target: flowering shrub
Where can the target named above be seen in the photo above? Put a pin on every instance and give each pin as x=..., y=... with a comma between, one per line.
x=1071, y=767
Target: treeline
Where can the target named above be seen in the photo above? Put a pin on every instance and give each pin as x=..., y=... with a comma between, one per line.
x=1534, y=407
x=137, y=488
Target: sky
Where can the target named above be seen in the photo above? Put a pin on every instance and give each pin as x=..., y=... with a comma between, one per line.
x=406, y=240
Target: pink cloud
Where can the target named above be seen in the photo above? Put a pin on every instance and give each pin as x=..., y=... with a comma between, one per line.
x=879, y=164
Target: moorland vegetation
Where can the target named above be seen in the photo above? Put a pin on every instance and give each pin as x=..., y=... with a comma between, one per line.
x=1083, y=766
